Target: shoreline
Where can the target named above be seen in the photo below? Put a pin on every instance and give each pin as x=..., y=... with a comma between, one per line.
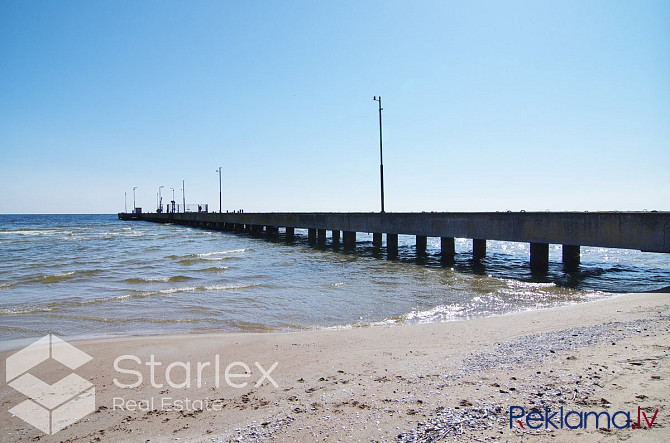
x=15, y=344
x=379, y=382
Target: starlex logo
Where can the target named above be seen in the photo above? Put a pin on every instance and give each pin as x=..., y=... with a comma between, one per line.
x=50, y=408
x=536, y=419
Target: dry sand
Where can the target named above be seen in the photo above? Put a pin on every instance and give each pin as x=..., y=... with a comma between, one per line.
x=453, y=380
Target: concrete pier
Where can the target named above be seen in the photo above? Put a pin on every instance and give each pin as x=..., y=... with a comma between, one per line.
x=273, y=231
x=392, y=245
x=644, y=231
x=421, y=242
x=377, y=239
x=478, y=248
x=539, y=256
x=349, y=240
x=321, y=236
x=290, y=233
x=448, y=247
x=571, y=257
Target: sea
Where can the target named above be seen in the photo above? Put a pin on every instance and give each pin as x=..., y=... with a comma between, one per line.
x=97, y=276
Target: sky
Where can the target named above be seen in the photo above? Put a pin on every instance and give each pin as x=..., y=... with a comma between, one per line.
x=488, y=105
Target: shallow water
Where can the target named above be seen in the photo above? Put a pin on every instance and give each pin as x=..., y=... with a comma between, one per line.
x=95, y=275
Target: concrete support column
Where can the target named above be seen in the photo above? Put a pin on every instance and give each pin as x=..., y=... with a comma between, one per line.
x=336, y=237
x=290, y=233
x=571, y=257
x=448, y=247
x=421, y=242
x=539, y=256
x=311, y=236
x=478, y=248
x=377, y=239
x=392, y=245
x=321, y=236
x=271, y=231
x=256, y=229
x=349, y=239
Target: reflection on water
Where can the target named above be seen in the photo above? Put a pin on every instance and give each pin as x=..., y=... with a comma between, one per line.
x=96, y=275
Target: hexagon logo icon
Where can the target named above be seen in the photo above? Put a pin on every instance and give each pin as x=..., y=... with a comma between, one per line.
x=50, y=408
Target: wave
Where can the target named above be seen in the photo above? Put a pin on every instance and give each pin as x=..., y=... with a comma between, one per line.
x=136, y=319
x=173, y=279
x=17, y=311
x=203, y=288
x=252, y=327
x=208, y=255
x=56, y=278
x=192, y=261
x=232, y=251
x=31, y=232
x=51, y=278
x=60, y=305
x=212, y=269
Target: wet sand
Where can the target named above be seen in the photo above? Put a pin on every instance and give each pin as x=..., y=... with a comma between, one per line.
x=453, y=380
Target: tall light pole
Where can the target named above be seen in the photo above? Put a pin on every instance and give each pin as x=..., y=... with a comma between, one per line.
x=134, y=205
x=381, y=157
x=160, y=199
x=219, y=189
x=125, y=203
x=183, y=194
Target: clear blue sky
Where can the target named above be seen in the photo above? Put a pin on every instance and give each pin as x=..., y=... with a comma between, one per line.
x=535, y=105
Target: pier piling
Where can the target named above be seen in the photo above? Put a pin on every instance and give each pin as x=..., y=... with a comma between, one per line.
x=448, y=248
x=349, y=240
x=571, y=257
x=321, y=236
x=421, y=242
x=392, y=245
x=377, y=239
x=539, y=256
x=478, y=248
x=290, y=233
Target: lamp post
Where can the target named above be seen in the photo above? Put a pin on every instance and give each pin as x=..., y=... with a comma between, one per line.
x=134, y=204
x=219, y=189
x=125, y=203
x=160, y=199
x=381, y=157
x=183, y=195
x=172, y=202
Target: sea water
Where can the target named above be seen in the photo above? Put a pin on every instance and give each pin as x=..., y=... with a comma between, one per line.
x=94, y=275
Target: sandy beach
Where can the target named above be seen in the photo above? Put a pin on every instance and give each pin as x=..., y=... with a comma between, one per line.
x=455, y=381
